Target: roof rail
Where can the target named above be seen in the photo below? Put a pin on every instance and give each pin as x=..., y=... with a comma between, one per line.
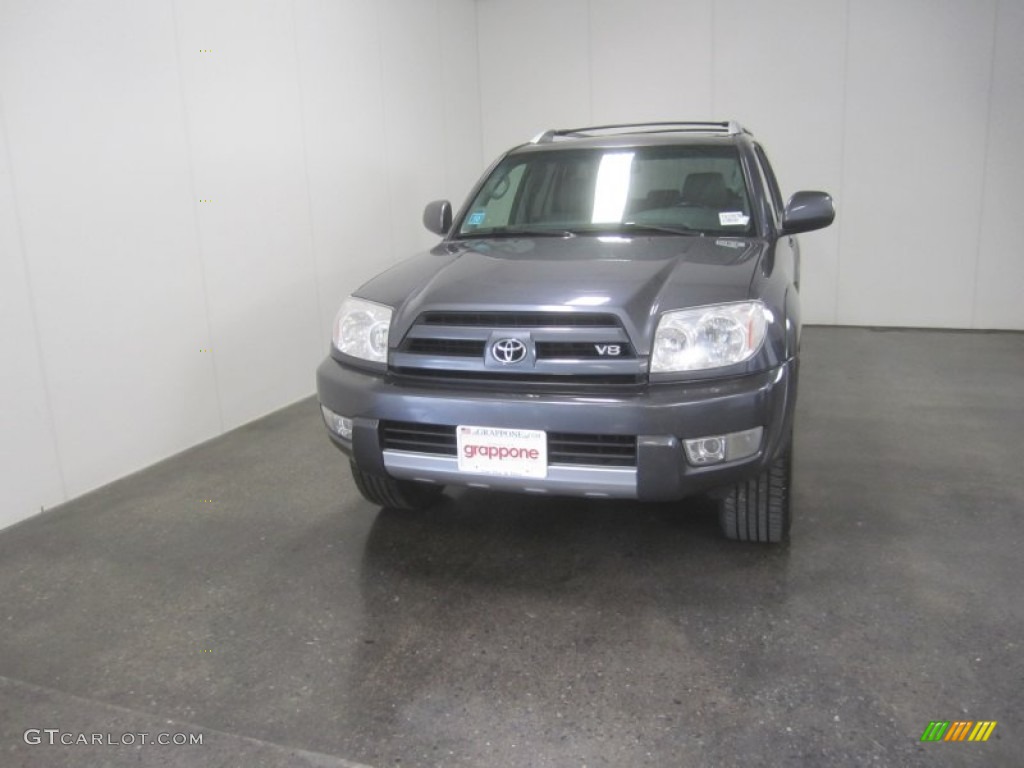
x=730, y=127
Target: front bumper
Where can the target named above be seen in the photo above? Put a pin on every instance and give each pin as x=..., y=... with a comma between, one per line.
x=660, y=417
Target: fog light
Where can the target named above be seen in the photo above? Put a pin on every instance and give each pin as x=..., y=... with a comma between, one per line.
x=715, y=449
x=706, y=450
x=339, y=425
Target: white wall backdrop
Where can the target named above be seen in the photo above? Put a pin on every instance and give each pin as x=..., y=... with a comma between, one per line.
x=905, y=110
x=187, y=189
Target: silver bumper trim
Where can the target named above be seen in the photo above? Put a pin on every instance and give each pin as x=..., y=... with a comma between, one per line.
x=601, y=482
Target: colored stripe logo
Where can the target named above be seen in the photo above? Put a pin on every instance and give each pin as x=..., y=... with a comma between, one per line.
x=958, y=730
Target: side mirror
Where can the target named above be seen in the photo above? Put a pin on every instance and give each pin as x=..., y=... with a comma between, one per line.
x=807, y=211
x=437, y=217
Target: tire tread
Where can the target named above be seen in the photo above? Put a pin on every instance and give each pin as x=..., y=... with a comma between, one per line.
x=757, y=509
x=394, y=494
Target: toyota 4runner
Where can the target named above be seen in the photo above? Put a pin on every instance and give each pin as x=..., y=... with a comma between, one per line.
x=614, y=312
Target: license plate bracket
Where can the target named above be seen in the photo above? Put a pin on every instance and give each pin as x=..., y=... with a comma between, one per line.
x=504, y=452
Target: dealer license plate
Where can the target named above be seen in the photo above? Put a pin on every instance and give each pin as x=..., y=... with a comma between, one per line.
x=508, y=452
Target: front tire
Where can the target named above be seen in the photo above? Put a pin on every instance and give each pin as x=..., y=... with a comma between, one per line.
x=395, y=494
x=758, y=509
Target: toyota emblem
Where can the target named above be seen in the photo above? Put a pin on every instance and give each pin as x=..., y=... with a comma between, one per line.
x=508, y=351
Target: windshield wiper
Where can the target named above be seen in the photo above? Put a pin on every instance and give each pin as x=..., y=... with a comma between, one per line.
x=632, y=226
x=518, y=232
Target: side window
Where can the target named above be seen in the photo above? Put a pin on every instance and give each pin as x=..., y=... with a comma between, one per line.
x=772, y=183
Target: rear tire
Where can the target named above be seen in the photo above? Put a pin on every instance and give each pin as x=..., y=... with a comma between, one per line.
x=758, y=509
x=395, y=494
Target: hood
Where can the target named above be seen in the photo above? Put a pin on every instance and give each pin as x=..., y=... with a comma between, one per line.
x=636, y=278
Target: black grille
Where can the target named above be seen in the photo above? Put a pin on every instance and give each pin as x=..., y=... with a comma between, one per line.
x=521, y=319
x=563, y=447
x=505, y=380
x=434, y=439
x=593, y=450
x=583, y=350
x=445, y=347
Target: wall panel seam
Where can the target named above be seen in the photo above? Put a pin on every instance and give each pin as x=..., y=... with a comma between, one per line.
x=305, y=176
x=590, y=62
x=40, y=360
x=384, y=132
x=984, y=164
x=479, y=81
x=444, y=106
x=190, y=161
x=842, y=161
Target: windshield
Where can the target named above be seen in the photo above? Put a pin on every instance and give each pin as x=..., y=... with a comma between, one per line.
x=645, y=190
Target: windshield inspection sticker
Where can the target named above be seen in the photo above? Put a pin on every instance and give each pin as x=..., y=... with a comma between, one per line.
x=733, y=219
x=476, y=218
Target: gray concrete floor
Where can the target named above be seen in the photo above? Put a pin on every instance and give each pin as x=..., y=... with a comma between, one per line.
x=243, y=591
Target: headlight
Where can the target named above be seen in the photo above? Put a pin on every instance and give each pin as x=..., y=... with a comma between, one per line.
x=708, y=337
x=361, y=329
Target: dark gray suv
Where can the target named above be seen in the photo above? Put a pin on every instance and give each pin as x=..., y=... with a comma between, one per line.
x=614, y=312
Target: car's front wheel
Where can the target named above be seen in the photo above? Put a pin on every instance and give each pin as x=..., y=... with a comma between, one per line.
x=758, y=509
x=395, y=494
